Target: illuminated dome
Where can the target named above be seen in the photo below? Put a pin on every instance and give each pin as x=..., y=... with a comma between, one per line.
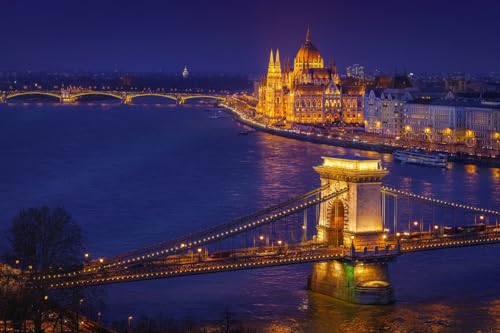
x=308, y=55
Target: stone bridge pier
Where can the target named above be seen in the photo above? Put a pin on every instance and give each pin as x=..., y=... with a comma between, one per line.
x=352, y=221
x=127, y=99
x=3, y=97
x=66, y=97
x=180, y=100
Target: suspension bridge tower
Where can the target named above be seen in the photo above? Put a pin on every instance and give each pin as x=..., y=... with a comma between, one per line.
x=353, y=221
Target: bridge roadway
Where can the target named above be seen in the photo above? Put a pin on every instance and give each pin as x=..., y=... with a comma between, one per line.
x=252, y=258
x=127, y=97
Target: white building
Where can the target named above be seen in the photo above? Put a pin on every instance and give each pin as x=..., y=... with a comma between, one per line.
x=356, y=71
x=474, y=124
x=384, y=111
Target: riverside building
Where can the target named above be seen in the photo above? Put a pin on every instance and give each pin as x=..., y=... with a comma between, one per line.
x=308, y=93
x=471, y=123
x=451, y=120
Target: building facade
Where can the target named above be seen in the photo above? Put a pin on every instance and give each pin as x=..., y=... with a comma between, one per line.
x=384, y=111
x=308, y=93
x=357, y=71
x=473, y=124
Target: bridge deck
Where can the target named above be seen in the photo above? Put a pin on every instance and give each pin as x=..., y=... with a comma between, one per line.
x=190, y=264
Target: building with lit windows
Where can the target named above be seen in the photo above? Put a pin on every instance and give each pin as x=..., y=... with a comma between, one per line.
x=472, y=123
x=384, y=111
x=308, y=93
x=357, y=71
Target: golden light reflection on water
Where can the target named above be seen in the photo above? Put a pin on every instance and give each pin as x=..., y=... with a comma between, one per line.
x=470, y=169
x=274, y=162
x=278, y=327
x=328, y=315
x=495, y=174
x=494, y=312
x=334, y=316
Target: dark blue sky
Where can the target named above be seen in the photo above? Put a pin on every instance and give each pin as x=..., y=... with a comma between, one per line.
x=235, y=36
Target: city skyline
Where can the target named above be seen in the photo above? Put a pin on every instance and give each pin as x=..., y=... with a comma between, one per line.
x=152, y=36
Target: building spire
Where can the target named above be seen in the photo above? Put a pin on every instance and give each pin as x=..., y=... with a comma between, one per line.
x=271, y=60
x=308, y=35
x=277, y=61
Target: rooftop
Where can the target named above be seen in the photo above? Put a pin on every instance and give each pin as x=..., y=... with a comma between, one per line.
x=351, y=157
x=462, y=103
x=352, y=163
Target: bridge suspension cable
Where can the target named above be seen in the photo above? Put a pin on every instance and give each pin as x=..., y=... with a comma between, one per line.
x=396, y=192
x=226, y=230
x=212, y=234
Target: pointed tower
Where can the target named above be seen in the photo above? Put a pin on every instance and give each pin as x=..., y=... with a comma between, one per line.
x=336, y=77
x=274, y=89
x=277, y=64
x=270, y=68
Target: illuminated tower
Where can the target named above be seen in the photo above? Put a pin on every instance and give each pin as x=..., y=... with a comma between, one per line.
x=353, y=220
x=185, y=72
x=274, y=89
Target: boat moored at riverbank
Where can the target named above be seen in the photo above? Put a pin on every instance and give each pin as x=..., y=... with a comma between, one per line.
x=420, y=157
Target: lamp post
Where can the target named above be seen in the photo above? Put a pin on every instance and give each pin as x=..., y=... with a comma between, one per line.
x=80, y=303
x=129, y=323
x=415, y=223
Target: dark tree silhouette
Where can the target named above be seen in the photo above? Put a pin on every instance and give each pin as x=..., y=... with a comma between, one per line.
x=41, y=241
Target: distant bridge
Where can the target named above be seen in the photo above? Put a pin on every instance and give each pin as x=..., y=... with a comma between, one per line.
x=126, y=97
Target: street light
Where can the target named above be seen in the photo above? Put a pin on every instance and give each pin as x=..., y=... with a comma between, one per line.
x=77, y=315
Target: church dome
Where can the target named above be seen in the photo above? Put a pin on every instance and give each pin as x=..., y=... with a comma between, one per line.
x=308, y=55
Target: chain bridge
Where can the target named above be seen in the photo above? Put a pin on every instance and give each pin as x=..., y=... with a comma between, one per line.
x=350, y=227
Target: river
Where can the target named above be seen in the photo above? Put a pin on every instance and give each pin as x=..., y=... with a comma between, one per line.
x=135, y=175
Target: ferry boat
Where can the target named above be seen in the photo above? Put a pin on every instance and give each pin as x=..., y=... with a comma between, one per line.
x=415, y=156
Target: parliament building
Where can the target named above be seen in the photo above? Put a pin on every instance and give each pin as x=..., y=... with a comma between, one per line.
x=308, y=93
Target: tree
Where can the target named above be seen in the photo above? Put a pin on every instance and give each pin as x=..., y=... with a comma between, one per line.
x=43, y=241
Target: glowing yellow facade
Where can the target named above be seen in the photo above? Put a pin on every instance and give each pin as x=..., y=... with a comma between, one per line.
x=310, y=93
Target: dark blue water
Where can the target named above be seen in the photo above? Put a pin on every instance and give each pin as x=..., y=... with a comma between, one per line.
x=135, y=175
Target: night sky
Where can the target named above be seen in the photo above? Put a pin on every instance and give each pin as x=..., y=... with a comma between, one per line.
x=235, y=36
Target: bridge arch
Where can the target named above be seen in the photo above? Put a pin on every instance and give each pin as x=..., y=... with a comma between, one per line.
x=97, y=93
x=219, y=98
x=167, y=96
x=187, y=98
x=32, y=93
x=337, y=217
